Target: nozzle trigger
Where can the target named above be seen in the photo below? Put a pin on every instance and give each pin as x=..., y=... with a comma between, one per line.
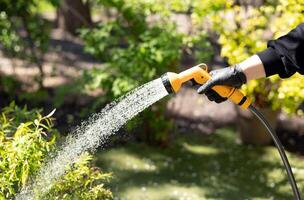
x=194, y=84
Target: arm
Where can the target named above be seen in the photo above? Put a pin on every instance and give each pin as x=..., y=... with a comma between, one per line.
x=253, y=68
x=284, y=57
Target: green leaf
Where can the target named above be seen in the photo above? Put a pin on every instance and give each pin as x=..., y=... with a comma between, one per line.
x=51, y=113
x=24, y=173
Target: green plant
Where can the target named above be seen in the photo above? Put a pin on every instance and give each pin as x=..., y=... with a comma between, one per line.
x=208, y=9
x=26, y=138
x=81, y=182
x=8, y=36
x=199, y=46
x=33, y=42
x=135, y=52
x=8, y=84
x=156, y=52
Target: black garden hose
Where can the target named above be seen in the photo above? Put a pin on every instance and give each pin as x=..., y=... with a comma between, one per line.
x=280, y=148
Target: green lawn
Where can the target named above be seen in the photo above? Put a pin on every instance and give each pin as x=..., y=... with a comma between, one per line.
x=199, y=167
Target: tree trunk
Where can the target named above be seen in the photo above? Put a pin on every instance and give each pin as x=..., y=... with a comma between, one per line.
x=73, y=14
x=37, y=59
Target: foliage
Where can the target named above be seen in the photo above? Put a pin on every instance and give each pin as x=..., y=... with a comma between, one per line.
x=81, y=182
x=206, y=9
x=33, y=42
x=196, y=8
x=23, y=13
x=148, y=7
x=26, y=137
x=8, y=84
x=135, y=51
x=155, y=51
x=291, y=94
x=8, y=36
x=199, y=46
x=247, y=33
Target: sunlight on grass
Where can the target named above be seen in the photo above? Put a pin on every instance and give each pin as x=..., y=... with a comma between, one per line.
x=198, y=149
x=199, y=167
x=164, y=192
x=121, y=161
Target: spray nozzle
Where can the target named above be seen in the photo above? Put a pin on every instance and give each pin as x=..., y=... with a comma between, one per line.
x=174, y=81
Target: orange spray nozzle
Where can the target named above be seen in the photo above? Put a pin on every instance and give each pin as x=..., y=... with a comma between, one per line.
x=173, y=83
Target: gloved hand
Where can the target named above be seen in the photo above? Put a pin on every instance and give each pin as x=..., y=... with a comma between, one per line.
x=229, y=76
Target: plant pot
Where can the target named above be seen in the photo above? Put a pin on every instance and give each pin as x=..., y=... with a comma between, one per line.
x=251, y=130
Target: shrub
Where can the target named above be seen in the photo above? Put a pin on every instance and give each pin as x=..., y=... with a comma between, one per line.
x=31, y=43
x=26, y=138
x=81, y=182
x=154, y=52
x=134, y=53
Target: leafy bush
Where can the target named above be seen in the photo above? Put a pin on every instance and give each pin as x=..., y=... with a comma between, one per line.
x=199, y=46
x=9, y=38
x=164, y=8
x=81, y=182
x=8, y=84
x=23, y=15
x=154, y=52
x=208, y=10
x=247, y=33
x=26, y=138
x=135, y=52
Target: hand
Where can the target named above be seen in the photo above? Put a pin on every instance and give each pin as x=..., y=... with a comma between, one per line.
x=229, y=76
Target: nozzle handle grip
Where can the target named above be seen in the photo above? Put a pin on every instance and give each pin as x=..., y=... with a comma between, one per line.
x=201, y=76
x=235, y=95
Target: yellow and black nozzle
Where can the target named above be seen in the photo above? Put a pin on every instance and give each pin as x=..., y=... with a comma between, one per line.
x=173, y=83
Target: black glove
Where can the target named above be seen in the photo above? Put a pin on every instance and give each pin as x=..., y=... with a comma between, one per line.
x=230, y=76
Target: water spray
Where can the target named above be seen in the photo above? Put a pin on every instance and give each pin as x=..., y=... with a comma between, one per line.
x=173, y=82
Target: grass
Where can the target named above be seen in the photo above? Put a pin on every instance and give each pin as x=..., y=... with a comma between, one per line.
x=199, y=167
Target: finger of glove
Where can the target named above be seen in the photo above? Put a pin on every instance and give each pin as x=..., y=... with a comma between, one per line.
x=194, y=84
x=211, y=97
x=211, y=92
x=207, y=86
x=220, y=100
x=214, y=72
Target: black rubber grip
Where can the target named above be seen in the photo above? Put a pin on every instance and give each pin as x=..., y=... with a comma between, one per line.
x=242, y=101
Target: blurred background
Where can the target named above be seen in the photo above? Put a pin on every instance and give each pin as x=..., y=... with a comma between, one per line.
x=78, y=55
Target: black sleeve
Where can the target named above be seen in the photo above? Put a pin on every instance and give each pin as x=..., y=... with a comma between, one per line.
x=285, y=56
